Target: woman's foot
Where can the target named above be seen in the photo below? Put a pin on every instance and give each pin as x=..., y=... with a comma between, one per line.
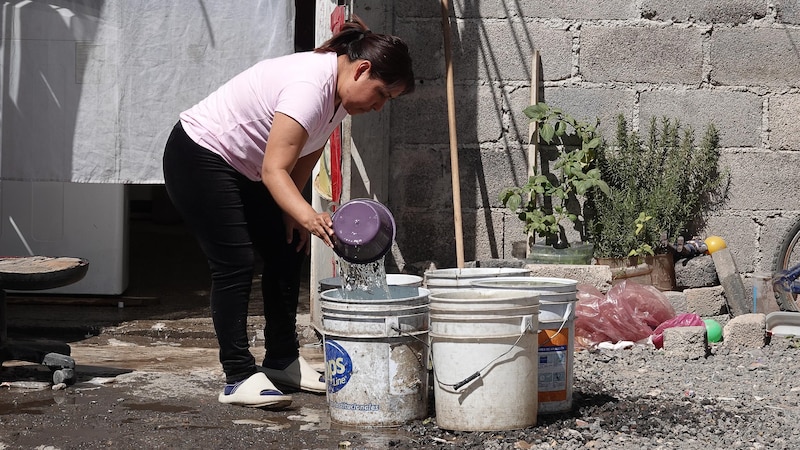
x=298, y=375
x=257, y=391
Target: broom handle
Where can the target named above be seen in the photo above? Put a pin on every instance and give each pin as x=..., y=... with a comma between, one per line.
x=533, y=130
x=451, y=119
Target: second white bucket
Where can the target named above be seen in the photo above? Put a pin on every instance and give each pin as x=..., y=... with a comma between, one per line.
x=440, y=280
x=557, y=298
x=484, y=350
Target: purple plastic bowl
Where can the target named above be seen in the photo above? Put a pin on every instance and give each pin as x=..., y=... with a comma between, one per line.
x=363, y=231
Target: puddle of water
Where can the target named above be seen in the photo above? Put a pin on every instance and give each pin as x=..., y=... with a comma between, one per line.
x=27, y=407
x=374, y=437
x=271, y=425
x=305, y=419
x=157, y=407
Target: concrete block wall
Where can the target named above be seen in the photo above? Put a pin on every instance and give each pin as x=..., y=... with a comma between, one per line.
x=735, y=63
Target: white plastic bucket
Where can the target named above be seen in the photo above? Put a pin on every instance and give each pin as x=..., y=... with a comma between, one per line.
x=440, y=280
x=376, y=356
x=557, y=302
x=484, y=359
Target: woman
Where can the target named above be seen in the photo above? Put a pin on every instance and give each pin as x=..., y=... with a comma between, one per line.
x=235, y=165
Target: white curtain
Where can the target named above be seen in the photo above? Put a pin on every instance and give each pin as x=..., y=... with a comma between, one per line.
x=92, y=88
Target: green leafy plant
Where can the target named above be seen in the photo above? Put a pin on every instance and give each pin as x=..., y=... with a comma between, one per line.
x=547, y=200
x=665, y=177
x=644, y=248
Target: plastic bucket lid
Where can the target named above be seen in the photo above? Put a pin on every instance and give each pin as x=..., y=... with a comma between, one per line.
x=562, y=285
x=398, y=295
x=452, y=279
x=363, y=231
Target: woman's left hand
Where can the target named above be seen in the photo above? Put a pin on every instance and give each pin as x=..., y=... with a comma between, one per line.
x=319, y=225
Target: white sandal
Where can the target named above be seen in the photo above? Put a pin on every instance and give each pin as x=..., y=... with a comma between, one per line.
x=255, y=392
x=298, y=375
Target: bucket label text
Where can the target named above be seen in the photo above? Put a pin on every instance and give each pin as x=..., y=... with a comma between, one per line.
x=338, y=366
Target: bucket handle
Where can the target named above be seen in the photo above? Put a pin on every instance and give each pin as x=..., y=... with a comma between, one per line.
x=567, y=313
x=392, y=324
x=526, y=325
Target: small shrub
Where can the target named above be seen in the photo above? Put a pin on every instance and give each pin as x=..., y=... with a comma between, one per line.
x=665, y=177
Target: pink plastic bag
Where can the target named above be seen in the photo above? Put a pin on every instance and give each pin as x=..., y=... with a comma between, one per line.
x=628, y=312
x=681, y=320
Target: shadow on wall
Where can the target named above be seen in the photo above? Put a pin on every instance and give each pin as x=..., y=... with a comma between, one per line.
x=490, y=128
x=46, y=47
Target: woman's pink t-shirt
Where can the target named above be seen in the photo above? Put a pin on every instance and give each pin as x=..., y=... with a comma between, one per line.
x=235, y=120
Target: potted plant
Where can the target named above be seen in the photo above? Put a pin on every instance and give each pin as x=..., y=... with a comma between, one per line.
x=661, y=189
x=560, y=190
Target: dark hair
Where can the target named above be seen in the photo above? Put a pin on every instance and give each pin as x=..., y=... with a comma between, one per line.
x=388, y=55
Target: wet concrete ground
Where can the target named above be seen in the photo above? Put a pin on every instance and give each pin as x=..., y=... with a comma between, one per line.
x=147, y=373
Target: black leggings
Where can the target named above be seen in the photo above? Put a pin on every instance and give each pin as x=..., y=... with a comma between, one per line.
x=232, y=218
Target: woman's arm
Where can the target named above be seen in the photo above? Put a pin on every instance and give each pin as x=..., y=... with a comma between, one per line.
x=285, y=173
x=303, y=168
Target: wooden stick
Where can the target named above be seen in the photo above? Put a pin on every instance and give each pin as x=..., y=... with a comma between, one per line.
x=533, y=131
x=451, y=116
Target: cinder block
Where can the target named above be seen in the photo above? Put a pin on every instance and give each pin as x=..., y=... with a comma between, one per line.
x=592, y=104
x=495, y=263
x=738, y=230
x=494, y=160
x=738, y=57
x=788, y=11
x=695, y=272
x=709, y=11
x=706, y=302
x=745, y=331
x=422, y=118
x=686, y=342
x=438, y=244
x=772, y=232
x=605, y=10
x=418, y=181
x=736, y=115
x=677, y=299
x=508, y=61
x=756, y=189
x=426, y=44
x=490, y=223
x=597, y=275
x=783, y=113
x=642, y=54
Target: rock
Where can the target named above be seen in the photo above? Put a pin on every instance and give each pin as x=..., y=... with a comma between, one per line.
x=706, y=301
x=696, y=272
x=686, y=343
x=745, y=331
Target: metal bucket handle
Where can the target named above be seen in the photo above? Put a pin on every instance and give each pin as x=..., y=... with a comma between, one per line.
x=564, y=320
x=526, y=325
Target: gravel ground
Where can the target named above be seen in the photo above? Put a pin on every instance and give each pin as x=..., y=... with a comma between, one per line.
x=637, y=398
x=640, y=398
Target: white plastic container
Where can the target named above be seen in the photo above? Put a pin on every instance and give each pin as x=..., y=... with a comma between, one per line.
x=376, y=357
x=484, y=359
x=557, y=302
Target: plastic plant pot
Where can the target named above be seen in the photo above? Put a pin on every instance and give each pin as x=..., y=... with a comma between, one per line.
x=363, y=231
